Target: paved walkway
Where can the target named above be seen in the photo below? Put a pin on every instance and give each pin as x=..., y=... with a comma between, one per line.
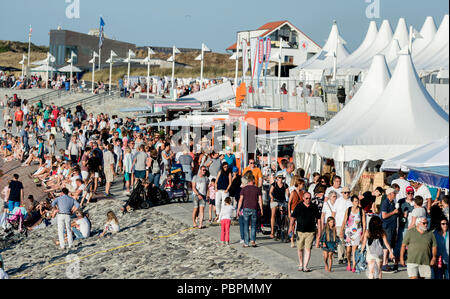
x=279, y=256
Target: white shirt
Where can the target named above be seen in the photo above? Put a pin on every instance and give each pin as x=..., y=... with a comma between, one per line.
x=403, y=184
x=85, y=227
x=226, y=212
x=424, y=192
x=299, y=91
x=341, y=205
x=328, y=209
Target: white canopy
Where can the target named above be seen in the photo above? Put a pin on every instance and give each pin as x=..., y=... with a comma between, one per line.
x=430, y=155
x=427, y=32
x=70, y=68
x=371, y=35
x=43, y=68
x=323, y=60
x=373, y=86
x=382, y=40
x=435, y=55
x=402, y=118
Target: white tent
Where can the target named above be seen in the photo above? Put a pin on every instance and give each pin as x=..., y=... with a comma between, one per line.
x=402, y=118
x=69, y=68
x=430, y=155
x=371, y=35
x=313, y=68
x=427, y=32
x=383, y=39
x=435, y=55
x=398, y=41
x=43, y=68
x=374, y=84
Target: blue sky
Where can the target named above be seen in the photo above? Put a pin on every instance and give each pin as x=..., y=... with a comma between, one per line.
x=189, y=23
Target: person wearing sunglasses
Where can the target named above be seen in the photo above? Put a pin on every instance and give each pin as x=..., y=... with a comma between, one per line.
x=422, y=250
x=441, y=235
x=341, y=206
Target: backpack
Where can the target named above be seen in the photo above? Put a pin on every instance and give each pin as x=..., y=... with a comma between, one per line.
x=375, y=248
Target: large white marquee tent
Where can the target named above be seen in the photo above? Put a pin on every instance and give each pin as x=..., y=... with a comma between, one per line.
x=403, y=117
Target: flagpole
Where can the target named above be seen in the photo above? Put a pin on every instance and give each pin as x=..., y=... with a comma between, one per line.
x=71, y=69
x=93, y=74
x=279, y=65
x=174, y=96
x=148, y=75
x=48, y=60
x=29, y=47
x=128, y=74
x=201, y=67
x=237, y=67
x=110, y=71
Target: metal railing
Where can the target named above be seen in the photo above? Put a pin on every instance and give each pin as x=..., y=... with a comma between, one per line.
x=98, y=99
x=47, y=96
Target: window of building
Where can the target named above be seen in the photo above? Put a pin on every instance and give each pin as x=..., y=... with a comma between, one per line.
x=289, y=59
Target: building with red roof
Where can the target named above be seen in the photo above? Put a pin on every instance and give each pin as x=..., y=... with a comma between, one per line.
x=301, y=47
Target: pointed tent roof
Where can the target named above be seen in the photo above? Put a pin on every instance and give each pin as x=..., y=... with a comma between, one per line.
x=368, y=40
x=374, y=84
x=437, y=47
x=430, y=155
x=66, y=69
x=402, y=118
x=428, y=32
x=401, y=33
x=324, y=60
x=382, y=40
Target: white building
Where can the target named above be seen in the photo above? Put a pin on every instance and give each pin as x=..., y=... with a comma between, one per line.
x=302, y=47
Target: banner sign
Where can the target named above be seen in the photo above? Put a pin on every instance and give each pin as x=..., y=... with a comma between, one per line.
x=244, y=57
x=260, y=57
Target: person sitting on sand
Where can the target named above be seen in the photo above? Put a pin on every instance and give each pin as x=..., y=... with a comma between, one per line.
x=112, y=224
x=81, y=227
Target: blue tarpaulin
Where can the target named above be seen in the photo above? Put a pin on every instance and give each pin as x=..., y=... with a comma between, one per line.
x=437, y=176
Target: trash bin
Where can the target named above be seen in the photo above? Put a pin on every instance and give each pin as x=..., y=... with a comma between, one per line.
x=67, y=84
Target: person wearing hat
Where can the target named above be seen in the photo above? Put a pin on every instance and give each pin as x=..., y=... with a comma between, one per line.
x=229, y=157
x=341, y=206
x=3, y=274
x=389, y=215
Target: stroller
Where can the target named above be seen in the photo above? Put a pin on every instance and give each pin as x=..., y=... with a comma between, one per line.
x=15, y=220
x=175, y=185
x=139, y=198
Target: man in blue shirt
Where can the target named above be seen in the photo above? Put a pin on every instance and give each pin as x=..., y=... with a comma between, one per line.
x=66, y=206
x=389, y=215
x=24, y=135
x=230, y=158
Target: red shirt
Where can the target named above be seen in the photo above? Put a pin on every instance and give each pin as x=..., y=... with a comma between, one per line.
x=52, y=122
x=18, y=115
x=55, y=113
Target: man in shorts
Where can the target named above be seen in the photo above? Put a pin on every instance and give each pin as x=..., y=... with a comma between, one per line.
x=199, y=189
x=308, y=218
x=422, y=250
x=139, y=163
x=18, y=116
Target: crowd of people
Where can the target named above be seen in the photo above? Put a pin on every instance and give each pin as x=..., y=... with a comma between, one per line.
x=404, y=223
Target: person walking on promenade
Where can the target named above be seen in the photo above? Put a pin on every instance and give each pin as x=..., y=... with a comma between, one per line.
x=308, y=219
x=250, y=200
x=352, y=228
x=422, y=250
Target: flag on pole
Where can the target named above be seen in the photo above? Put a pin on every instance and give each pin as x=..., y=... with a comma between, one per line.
x=101, y=34
x=31, y=31
x=244, y=57
x=267, y=52
x=253, y=54
x=260, y=59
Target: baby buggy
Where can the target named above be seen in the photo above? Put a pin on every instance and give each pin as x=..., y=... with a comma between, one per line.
x=175, y=185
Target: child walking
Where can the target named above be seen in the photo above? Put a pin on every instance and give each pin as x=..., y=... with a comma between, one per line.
x=112, y=224
x=212, y=199
x=328, y=242
x=226, y=212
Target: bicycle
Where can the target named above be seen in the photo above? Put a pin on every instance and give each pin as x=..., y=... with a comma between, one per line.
x=282, y=223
